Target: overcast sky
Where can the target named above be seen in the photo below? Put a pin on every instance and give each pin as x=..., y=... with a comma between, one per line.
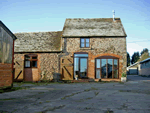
x=50, y=15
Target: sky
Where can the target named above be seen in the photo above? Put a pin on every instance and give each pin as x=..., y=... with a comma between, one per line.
x=50, y=15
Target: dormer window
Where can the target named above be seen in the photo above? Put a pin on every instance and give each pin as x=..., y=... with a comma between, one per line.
x=84, y=42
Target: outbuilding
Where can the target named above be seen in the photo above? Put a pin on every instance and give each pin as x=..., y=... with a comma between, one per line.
x=7, y=39
x=144, y=67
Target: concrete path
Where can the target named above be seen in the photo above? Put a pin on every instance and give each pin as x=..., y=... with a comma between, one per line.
x=115, y=97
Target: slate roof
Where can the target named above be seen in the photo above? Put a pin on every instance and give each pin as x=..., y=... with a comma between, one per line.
x=79, y=27
x=38, y=42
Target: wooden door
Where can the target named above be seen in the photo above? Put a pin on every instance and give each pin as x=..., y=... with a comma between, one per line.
x=66, y=68
x=31, y=68
x=18, y=70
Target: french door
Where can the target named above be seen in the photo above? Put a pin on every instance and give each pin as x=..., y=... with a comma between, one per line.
x=107, y=67
x=80, y=65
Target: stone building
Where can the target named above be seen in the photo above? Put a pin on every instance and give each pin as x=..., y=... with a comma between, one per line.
x=36, y=55
x=6, y=56
x=85, y=49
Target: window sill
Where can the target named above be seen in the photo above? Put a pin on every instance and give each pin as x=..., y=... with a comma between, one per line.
x=85, y=48
x=30, y=67
x=110, y=79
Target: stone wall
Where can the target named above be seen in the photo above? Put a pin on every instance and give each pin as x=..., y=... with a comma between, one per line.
x=47, y=66
x=49, y=63
x=99, y=47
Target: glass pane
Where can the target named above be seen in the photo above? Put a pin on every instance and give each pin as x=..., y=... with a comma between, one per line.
x=76, y=66
x=115, y=73
x=87, y=40
x=27, y=57
x=115, y=63
x=82, y=44
x=109, y=65
x=34, y=63
x=82, y=40
x=80, y=55
x=103, y=68
x=27, y=63
x=97, y=63
x=34, y=57
x=98, y=73
x=83, y=67
x=87, y=44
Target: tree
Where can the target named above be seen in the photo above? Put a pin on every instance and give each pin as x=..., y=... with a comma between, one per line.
x=135, y=57
x=128, y=59
x=145, y=50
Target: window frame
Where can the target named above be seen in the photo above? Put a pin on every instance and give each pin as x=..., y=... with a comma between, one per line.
x=84, y=43
x=107, y=57
x=31, y=60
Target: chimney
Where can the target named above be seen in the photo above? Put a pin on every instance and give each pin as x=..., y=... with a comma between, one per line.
x=113, y=15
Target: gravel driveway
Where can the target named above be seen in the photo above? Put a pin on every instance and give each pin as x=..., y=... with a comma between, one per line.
x=113, y=97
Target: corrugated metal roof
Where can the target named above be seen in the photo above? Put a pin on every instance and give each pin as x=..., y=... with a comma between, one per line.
x=145, y=60
x=133, y=64
x=7, y=30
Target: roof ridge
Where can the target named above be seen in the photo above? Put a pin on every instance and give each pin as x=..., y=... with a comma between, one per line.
x=93, y=18
x=38, y=32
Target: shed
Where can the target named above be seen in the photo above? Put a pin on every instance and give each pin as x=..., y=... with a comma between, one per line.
x=6, y=56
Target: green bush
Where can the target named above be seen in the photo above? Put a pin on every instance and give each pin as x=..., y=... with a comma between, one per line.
x=124, y=75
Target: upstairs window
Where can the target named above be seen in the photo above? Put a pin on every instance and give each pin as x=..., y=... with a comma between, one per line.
x=30, y=61
x=84, y=42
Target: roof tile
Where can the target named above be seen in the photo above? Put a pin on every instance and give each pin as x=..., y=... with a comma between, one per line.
x=79, y=27
x=38, y=42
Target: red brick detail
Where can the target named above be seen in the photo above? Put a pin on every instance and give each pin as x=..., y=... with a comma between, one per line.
x=91, y=64
x=39, y=66
x=5, y=75
x=31, y=74
x=116, y=80
x=12, y=61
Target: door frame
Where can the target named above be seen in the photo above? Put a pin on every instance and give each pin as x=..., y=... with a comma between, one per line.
x=79, y=62
x=31, y=59
x=86, y=66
